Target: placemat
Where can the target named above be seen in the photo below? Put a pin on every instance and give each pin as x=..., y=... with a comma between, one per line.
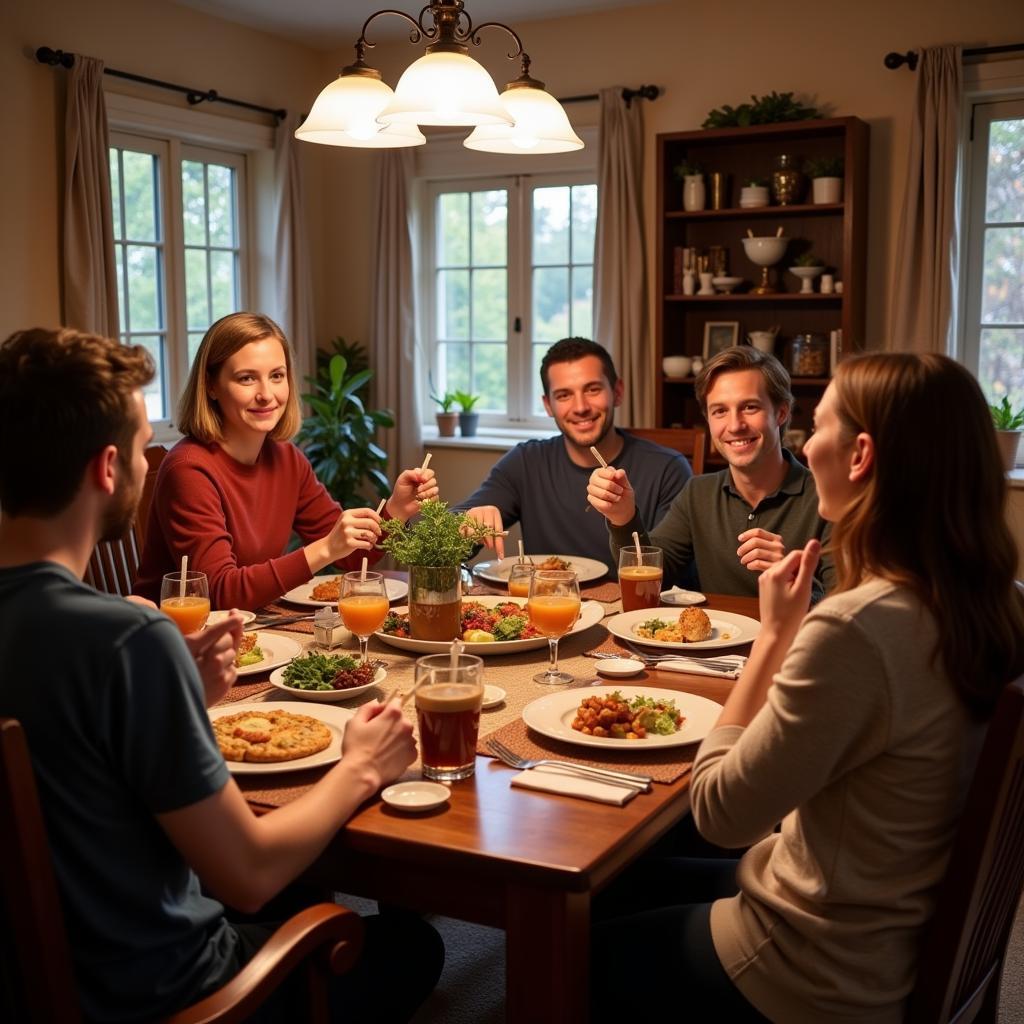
x=245, y=691
x=287, y=627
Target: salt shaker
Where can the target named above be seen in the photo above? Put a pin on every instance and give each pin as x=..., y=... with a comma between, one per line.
x=327, y=629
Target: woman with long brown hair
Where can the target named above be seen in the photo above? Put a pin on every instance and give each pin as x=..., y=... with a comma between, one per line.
x=856, y=725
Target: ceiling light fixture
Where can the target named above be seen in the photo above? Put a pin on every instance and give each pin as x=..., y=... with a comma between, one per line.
x=443, y=87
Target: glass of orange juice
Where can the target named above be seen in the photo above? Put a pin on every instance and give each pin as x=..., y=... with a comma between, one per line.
x=363, y=605
x=189, y=606
x=553, y=607
x=519, y=579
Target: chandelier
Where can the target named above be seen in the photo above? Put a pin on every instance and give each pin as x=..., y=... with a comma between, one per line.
x=443, y=87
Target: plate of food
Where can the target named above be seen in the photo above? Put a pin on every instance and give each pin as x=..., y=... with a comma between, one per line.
x=216, y=617
x=586, y=569
x=636, y=718
x=260, y=651
x=326, y=677
x=322, y=591
x=503, y=619
x=690, y=629
x=258, y=738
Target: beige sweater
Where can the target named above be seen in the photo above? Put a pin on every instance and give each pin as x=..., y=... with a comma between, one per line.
x=863, y=752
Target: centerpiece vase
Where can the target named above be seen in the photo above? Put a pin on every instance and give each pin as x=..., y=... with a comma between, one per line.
x=435, y=602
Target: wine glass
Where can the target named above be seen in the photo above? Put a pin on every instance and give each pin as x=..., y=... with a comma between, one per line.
x=363, y=605
x=553, y=607
x=519, y=579
x=188, y=605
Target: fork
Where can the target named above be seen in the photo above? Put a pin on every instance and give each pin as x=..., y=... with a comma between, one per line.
x=628, y=780
x=723, y=663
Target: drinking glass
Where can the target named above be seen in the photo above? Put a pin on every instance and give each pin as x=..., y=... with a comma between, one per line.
x=553, y=607
x=188, y=606
x=640, y=577
x=363, y=605
x=448, y=693
x=519, y=579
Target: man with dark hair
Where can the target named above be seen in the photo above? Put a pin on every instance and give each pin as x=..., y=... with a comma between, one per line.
x=138, y=802
x=732, y=525
x=542, y=484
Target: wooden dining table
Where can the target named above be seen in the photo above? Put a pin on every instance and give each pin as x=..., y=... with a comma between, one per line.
x=523, y=861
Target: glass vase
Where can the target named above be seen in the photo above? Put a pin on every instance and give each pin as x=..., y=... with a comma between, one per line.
x=435, y=602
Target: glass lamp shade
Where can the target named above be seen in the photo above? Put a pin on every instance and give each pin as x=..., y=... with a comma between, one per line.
x=445, y=88
x=541, y=126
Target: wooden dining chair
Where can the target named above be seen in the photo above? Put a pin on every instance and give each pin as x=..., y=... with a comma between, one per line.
x=36, y=968
x=691, y=441
x=114, y=564
x=963, y=956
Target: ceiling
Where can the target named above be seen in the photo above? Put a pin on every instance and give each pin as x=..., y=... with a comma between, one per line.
x=326, y=24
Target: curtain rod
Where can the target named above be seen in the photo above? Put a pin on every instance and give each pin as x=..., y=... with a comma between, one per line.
x=644, y=92
x=897, y=60
x=45, y=55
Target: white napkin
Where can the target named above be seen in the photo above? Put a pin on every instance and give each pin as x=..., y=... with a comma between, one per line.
x=706, y=670
x=552, y=779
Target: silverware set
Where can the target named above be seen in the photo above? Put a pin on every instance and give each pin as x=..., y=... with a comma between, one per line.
x=719, y=664
x=265, y=621
x=625, y=780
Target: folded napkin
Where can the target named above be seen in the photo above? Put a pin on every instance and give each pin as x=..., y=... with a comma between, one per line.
x=552, y=779
x=696, y=667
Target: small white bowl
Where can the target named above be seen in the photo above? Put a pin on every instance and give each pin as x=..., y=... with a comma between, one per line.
x=619, y=668
x=416, y=796
x=216, y=617
x=493, y=696
x=726, y=284
x=678, y=596
x=677, y=366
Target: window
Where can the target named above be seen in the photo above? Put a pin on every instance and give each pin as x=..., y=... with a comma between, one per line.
x=509, y=271
x=179, y=245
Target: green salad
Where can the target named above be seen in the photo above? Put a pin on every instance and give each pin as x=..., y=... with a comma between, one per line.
x=319, y=671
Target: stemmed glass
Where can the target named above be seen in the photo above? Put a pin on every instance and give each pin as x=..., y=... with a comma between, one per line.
x=363, y=605
x=519, y=579
x=553, y=607
x=189, y=604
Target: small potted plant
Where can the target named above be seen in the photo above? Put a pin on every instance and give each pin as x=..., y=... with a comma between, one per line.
x=754, y=193
x=807, y=267
x=1008, y=423
x=446, y=417
x=468, y=419
x=826, y=174
x=692, y=177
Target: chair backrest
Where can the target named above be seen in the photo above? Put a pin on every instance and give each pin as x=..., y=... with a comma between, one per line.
x=962, y=958
x=691, y=441
x=115, y=563
x=39, y=982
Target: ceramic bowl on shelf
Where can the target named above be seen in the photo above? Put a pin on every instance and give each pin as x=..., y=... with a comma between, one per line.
x=726, y=284
x=765, y=250
x=677, y=366
x=807, y=276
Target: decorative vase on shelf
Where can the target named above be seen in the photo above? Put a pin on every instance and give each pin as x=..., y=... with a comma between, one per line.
x=826, y=190
x=689, y=283
x=694, y=192
x=787, y=181
x=706, y=287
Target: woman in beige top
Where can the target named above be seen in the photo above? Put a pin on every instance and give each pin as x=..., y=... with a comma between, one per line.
x=855, y=725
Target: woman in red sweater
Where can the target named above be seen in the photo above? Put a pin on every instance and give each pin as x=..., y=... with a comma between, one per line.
x=234, y=489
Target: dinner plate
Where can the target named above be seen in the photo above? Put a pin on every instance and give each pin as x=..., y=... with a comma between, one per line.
x=727, y=629
x=277, y=650
x=325, y=696
x=591, y=613
x=675, y=595
x=586, y=569
x=397, y=589
x=216, y=617
x=334, y=718
x=552, y=716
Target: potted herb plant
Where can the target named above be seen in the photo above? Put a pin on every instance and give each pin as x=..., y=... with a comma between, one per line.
x=826, y=174
x=447, y=418
x=754, y=193
x=468, y=420
x=433, y=547
x=807, y=267
x=692, y=177
x=1008, y=423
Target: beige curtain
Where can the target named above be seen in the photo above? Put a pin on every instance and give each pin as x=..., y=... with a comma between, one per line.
x=620, y=279
x=293, y=272
x=392, y=315
x=922, y=285
x=90, y=276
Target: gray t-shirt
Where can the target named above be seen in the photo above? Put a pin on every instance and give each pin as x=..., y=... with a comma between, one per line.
x=538, y=485
x=113, y=710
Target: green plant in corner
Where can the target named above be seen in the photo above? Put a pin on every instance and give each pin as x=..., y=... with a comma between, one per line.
x=338, y=438
x=436, y=537
x=466, y=400
x=446, y=401
x=1005, y=417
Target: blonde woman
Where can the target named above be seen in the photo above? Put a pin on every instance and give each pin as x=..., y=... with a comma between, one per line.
x=234, y=489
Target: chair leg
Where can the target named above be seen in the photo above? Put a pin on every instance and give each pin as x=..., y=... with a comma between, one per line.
x=317, y=989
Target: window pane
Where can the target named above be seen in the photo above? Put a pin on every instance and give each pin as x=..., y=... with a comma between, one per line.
x=194, y=340
x=537, y=387
x=1002, y=288
x=222, y=206
x=193, y=202
x=490, y=305
x=1004, y=193
x=197, y=306
x=453, y=367
x=453, y=305
x=490, y=377
x=121, y=306
x=153, y=393
x=584, y=222
x=490, y=228
x=222, y=280
x=1001, y=364
x=115, y=190
x=143, y=291
x=551, y=225
x=453, y=229
x=140, y=197
x=550, y=303
x=582, y=325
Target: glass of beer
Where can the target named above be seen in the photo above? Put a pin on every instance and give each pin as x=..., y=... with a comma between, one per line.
x=448, y=693
x=640, y=577
x=553, y=607
x=189, y=606
x=519, y=579
x=363, y=605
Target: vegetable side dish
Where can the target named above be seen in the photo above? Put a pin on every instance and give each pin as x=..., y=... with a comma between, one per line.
x=327, y=672
x=480, y=624
x=615, y=718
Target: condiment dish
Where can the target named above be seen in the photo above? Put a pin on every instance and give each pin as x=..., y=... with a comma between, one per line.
x=619, y=668
x=416, y=796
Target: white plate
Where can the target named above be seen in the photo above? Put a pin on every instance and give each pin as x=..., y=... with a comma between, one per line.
x=682, y=597
x=397, y=589
x=277, y=650
x=591, y=613
x=416, y=796
x=552, y=716
x=334, y=718
x=493, y=696
x=727, y=629
x=216, y=617
x=586, y=569
x=325, y=696
x=616, y=668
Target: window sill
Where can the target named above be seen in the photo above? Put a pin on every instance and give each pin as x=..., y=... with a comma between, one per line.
x=1015, y=478
x=486, y=438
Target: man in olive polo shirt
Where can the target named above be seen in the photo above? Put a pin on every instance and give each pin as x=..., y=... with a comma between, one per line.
x=731, y=525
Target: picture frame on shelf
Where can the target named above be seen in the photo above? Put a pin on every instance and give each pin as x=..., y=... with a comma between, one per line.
x=720, y=335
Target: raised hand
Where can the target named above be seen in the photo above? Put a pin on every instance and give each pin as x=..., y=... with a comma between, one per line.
x=785, y=592
x=610, y=492
x=380, y=738
x=411, y=487
x=759, y=549
x=213, y=650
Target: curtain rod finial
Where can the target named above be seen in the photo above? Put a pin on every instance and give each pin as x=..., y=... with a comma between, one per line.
x=894, y=60
x=46, y=55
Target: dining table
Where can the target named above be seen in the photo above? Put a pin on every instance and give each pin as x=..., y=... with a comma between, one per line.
x=524, y=861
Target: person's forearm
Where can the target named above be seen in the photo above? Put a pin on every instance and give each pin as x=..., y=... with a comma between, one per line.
x=318, y=555
x=751, y=689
